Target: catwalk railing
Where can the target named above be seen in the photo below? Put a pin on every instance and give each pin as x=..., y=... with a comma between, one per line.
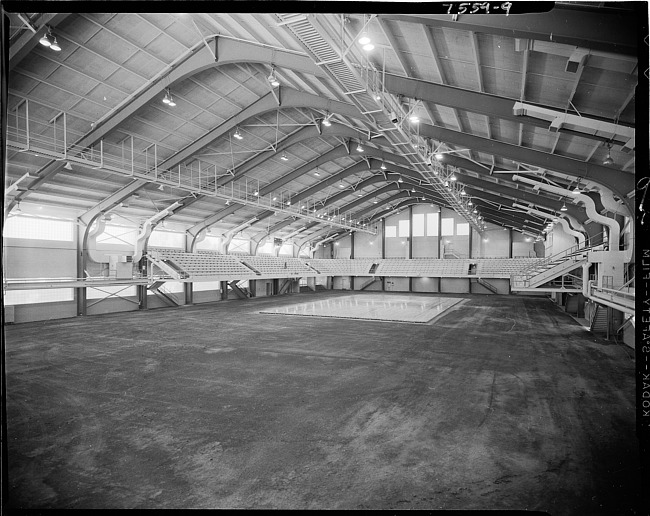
x=39, y=129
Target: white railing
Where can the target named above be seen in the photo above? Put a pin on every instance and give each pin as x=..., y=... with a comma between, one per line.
x=142, y=159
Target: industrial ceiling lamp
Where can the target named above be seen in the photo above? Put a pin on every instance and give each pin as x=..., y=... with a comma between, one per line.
x=44, y=39
x=238, y=134
x=359, y=147
x=171, y=101
x=400, y=180
x=273, y=79
x=608, y=160
x=55, y=46
x=366, y=42
x=452, y=178
x=470, y=203
x=383, y=166
x=563, y=208
x=18, y=210
x=576, y=190
x=284, y=157
x=326, y=121
x=439, y=156
x=166, y=99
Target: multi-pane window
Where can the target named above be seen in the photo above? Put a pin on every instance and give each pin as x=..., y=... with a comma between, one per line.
x=26, y=297
x=404, y=226
x=462, y=229
x=447, y=226
x=432, y=224
x=160, y=238
x=418, y=224
x=38, y=228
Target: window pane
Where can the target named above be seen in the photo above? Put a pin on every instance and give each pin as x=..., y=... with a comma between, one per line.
x=205, y=285
x=418, y=224
x=404, y=228
x=286, y=250
x=36, y=228
x=391, y=231
x=209, y=243
x=447, y=227
x=167, y=239
x=25, y=297
x=267, y=248
x=432, y=224
x=462, y=229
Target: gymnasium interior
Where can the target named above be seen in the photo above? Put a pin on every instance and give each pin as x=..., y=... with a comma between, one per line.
x=322, y=260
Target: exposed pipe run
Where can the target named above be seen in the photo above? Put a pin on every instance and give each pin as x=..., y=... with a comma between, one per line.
x=614, y=228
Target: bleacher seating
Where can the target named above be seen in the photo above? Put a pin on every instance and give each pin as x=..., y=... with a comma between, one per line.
x=278, y=266
x=343, y=267
x=203, y=264
x=503, y=267
x=211, y=264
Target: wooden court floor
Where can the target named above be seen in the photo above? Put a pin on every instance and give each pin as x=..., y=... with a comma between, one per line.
x=503, y=402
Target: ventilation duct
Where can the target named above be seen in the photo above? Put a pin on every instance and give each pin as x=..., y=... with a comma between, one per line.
x=564, y=121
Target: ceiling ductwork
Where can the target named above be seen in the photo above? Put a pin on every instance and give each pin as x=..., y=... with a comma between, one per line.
x=563, y=121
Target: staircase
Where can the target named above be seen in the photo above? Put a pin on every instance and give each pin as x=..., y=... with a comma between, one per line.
x=372, y=280
x=487, y=285
x=598, y=322
x=167, y=267
x=538, y=275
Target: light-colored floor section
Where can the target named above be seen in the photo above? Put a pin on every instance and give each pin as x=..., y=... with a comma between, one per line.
x=377, y=307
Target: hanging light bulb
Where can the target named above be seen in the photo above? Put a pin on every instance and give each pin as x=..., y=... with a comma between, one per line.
x=608, y=160
x=364, y=39
x=273, y=79
x=45, y=41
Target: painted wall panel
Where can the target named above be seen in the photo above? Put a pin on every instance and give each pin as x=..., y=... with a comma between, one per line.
x=426, y=284
x=454, y=285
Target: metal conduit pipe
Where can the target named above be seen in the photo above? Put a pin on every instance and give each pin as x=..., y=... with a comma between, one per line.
x=575, y=225
x=565, y=224
x=614, y=228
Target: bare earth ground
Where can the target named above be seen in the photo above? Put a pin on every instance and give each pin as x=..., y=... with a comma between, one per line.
x=503, y=402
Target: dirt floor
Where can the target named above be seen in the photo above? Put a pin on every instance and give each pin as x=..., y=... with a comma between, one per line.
x=504, y=402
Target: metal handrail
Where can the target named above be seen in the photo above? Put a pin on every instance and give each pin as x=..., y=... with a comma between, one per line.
x=562, y=254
